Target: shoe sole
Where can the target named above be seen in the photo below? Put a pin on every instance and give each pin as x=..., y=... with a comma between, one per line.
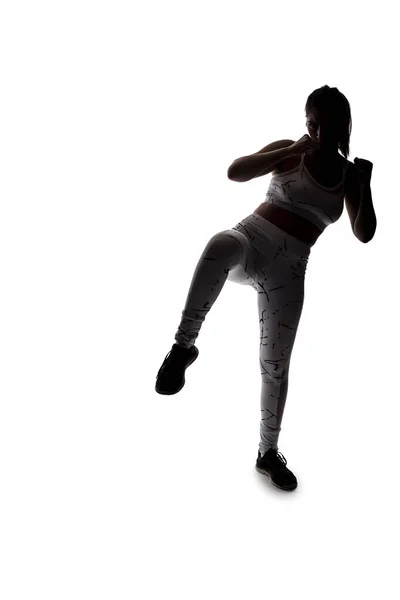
x=286, y=489
x=184, y=380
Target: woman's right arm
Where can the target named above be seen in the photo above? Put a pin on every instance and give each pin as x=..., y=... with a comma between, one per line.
x=262, y=162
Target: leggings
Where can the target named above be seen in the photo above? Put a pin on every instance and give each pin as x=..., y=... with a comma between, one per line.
x=255, y=252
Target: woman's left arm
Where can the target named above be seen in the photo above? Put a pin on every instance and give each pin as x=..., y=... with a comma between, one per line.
x=365, y=222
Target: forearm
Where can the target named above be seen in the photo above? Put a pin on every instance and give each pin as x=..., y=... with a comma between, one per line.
x=247, y=167
x=365, y=222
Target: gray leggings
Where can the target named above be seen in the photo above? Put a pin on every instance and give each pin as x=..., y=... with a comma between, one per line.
x=255, y=252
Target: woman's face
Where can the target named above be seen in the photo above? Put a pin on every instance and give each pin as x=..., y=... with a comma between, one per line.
x=321, y=130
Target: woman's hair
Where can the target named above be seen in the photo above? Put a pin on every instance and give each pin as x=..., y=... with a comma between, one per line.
x=336, y=107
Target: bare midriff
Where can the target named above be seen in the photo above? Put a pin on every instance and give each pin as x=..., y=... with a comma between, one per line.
x=294, y=225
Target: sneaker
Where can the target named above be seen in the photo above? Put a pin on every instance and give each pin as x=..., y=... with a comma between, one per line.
x=273, y=464
x=171, y=376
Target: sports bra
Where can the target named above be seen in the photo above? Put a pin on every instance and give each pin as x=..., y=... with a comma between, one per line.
x=297, y=191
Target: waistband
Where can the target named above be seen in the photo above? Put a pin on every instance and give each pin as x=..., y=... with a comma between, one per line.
x=280, y=237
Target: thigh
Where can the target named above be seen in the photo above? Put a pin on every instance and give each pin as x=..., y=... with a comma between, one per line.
x=280, y=304
x=258, y=253
x=240, y=272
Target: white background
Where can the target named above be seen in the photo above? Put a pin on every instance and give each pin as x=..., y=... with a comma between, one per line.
x=118, y=124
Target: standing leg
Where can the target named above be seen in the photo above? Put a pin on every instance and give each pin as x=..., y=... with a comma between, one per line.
x=224, y=251
x=280, y=304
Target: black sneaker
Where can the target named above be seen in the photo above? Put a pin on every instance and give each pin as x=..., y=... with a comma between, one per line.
x=171, y=376
x=273, y=464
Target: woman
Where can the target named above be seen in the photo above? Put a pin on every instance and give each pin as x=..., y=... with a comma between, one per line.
x=269, y=250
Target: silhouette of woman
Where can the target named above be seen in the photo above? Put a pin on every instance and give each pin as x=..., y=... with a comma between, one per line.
x=272, y=257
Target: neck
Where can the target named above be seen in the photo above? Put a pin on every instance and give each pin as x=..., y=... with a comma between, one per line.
x=325, y=154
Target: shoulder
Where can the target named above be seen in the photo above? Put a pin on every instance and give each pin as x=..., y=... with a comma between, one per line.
x=347, y=163
x=287, y=164
x=349, y=174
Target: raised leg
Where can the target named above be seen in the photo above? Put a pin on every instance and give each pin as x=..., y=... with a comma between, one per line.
x=224, y=251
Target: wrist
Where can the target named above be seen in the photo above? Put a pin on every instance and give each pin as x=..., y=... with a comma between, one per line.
x=292, y=151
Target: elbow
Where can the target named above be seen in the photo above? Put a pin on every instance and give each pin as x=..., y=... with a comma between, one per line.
x=365, y=234
x=362, y=238
x=233, y=173
x=365, y=239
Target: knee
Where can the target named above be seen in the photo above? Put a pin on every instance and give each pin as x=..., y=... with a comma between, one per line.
x=227, y=243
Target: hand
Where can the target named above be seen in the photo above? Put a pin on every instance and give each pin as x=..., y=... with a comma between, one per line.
x=363, y=170
x=304, y=144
